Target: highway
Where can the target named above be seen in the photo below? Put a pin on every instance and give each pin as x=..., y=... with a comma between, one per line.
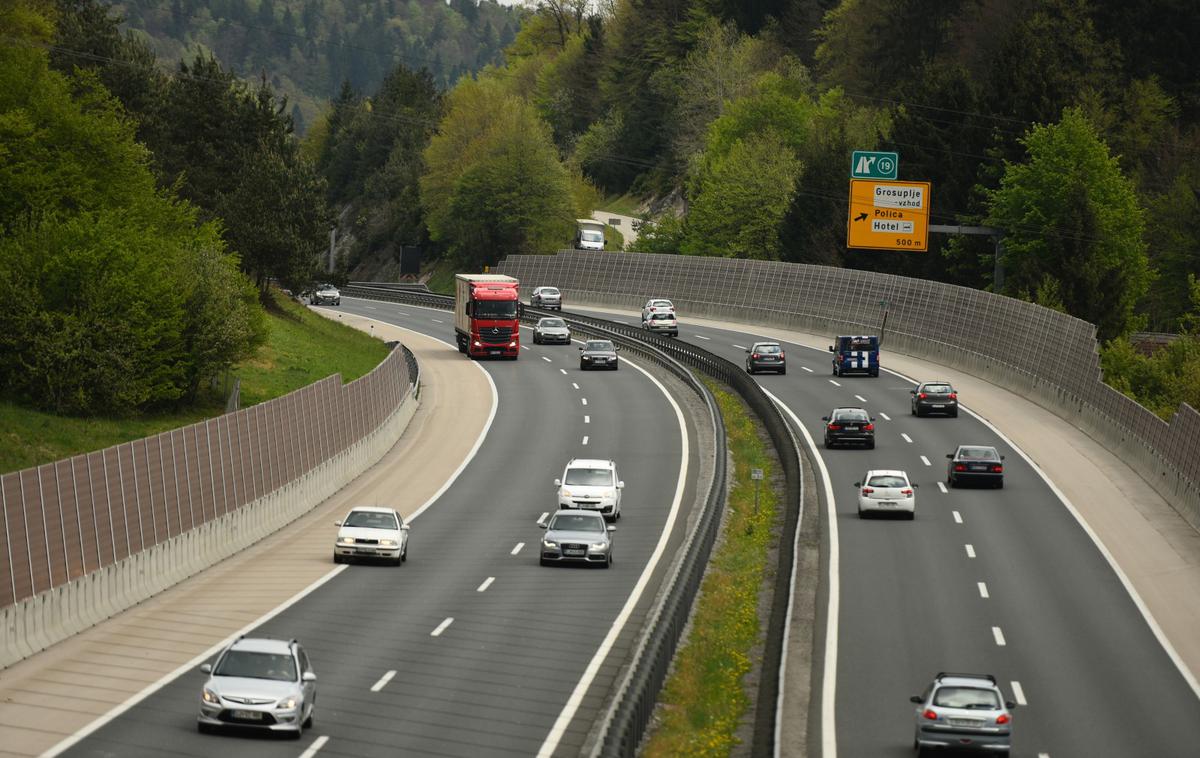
x=990, y=581
x=486, y=646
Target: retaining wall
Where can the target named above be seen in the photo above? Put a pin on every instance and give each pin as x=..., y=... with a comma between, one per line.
x=87, y=537
x=1050, y=357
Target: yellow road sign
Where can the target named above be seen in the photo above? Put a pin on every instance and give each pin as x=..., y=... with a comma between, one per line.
x=888, y=215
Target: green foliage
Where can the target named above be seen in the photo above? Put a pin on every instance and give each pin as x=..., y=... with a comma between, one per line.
x=741, y=197
x=494, y=185
x=1071, y=214
x=96, y=263
x=1160, y=381
x=664, y=234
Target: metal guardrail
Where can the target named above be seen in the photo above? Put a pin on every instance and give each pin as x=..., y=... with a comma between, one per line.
x=620, y=729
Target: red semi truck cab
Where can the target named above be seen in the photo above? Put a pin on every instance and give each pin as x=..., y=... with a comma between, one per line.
x=485, y=315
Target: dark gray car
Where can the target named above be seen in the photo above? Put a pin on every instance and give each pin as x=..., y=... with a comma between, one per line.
x=574, y=536
x=849, y=426
x=934, y=397
x=598, y=354
x=971, y=464
x=766, y=356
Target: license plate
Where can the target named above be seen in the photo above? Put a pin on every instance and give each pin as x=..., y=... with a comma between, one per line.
x=851, y=428
x=965, y=722
x=574, y=552
x=939, y=405
x=886, y=502
x=979, y=468
x=247, y=715
x=363, y=551
x=495, y=352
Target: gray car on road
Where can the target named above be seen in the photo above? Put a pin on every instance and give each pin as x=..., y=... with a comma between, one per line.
x=963, y=712
x=574, y=536
x=551, y=330
x=259, y=683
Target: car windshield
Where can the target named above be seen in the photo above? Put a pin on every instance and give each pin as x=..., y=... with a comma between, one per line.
x=577, y=523
x=592, y=237
x=371, y=520
x=858, y=343
x=938, y=389
x=966, y=697
x=599, y=345
x=589, y=477
x=662, y=316
x=850, y=416
x=495, y=308
x=252, y=665
x=768, y=349
x=887, y=480
x=549, y=291
x=978, y=453
x=549, y=322
x=661, y=304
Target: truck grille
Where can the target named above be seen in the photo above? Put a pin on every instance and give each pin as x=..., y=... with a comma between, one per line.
x=495, y=335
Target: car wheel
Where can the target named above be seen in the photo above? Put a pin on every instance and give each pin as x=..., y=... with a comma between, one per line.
x=296, y=734
x=861, y=513
x=782, y=371
x=615, y=367
x=1000, y=484
x=871, y=445
x=749, y=370
x=582, y=367
x=338, y=559
x=917, y=412
x=950, y=482
x=404, y=555
x=828, y=445
x=608, y=563
x=542, y=562
x=954, y=414
x=204, y=728
x=911, y=515
x=308, y=722
x=875, y=372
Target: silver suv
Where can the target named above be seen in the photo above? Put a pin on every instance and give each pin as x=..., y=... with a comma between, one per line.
x=326, y=293
x=965, y=712
x=261, y=684
x=591, y=484
x=546, y=297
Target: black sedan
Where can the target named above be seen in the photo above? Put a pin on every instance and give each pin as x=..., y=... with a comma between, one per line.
x=975, y=464
x=765, y=356
x=846, y=426
x=934, y=397
x=598, y=354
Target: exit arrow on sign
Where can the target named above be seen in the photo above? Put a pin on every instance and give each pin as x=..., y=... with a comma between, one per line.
x=866, y=164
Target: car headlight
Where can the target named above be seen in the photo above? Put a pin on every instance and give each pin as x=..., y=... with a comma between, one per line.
x=287, y=704
x=609, y=493
x=566, y=493
x=599, y=546
x=345, y=540
x=513, y=343
x=478, y=343
x=387, y=543
x=549, y=543
x=210, y=696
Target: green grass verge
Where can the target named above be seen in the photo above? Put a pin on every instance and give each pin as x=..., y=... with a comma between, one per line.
x=624, y=205
x=441, y=277
x=704, y=700
x=301, y=348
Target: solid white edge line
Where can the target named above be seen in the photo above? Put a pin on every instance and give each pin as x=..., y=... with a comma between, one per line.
x=442, y=627
x=1018, y=693
x=486, y=583
x=983, y=590
x=317, y=744
x=383, y=680
x=998, y=636
x=925, y=461
x=193, y=663
x=576, y=699
x=1173, y=654
x=829, y=675
x=168, y=678
x=517, y=549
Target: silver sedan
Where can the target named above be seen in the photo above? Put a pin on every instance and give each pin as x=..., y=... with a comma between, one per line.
x=574, y=536
x=551, y=330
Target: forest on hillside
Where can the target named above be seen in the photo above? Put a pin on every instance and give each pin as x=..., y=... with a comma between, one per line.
x=308, y=48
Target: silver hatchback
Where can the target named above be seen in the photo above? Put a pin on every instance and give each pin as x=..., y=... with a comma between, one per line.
x=964, y=712
x=259, y=683
x=551, y=330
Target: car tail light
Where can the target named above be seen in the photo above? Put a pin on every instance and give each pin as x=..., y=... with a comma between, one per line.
x=834, y=428
x=930, y=714
x=780, y=355
x=906, y=493
x=754, y=356
x=839, y=357
x=953, y=395
x=869, y=427
x=868, y=491
x=960, y=467
x=997, y=468
x=921, y=396
x=1003, y=718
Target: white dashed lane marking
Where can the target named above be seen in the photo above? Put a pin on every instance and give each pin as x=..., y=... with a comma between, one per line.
x=925, y=461
x=1019, y=696
x=860, y=398
x=587, y=419
x=437, y=321
x=317, y=744
x=563, y=371
x=957, y=517
x=835, y=384
x=702, y=337
x=885, y=416
x=906, y=438
x=942, y=487
x=739, y=347
x=970, y=551
x=547, y=360
x=383, y=680
x=998, y=636
x=983, y=589
x=442, y=627
x=584, y=399
x=517, y=549
x=524, y=347
x=486, y=583
x=806, y=368
x=575, y=385
x=585, y=439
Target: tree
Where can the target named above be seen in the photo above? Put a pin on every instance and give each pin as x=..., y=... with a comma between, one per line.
x=1069, y=213
x=493, y=185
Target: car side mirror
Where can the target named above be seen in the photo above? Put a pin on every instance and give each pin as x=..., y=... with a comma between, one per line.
x=405, y=527
x=870, y=418
x=308, y=676
x=824, y=418
x=858, y=484
x=916, y=699
x=337, y=523
x=581, y=348
x=620, y=485
x=543, y=525
x=831, y=348
x=949, y=455
x=558, y=482
x=612, y=528
x=912, y=392
x=1002, y=457
x=914, y=486
x=206, y=668
x=1009, y=704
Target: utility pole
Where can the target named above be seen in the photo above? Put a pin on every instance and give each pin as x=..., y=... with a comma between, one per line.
x=332, y=246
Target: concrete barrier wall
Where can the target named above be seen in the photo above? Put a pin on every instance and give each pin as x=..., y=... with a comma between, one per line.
x=87, y=537
x=1050, y=357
